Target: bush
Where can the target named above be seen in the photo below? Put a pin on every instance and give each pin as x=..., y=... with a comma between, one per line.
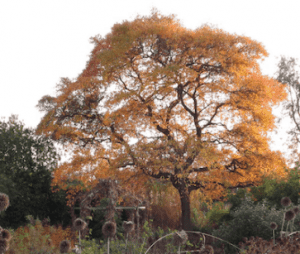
x=237, y=199
x=207, y=219
x=216, y=214
x=273, y=190
x=251, y=219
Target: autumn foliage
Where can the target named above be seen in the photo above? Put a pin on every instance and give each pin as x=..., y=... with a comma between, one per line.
x=41, y=236
x=157, y=100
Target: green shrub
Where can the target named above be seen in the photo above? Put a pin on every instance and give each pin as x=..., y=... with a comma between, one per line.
x=273, y=190
x=216, y=214
x=206, y=219
x=252, y=220
x=237, y=199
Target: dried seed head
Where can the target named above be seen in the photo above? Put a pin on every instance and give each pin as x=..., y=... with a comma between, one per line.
x=5, y=234
x=286, y=201
x=128, y=226
x=79, y=224
x=109, y=229
x=207, y=249
x=31, y=220
x=289, y=215
x=180, y=237
x=4, y=201
x=50, y=242
x=296, y=210
x=4, y=245
x=45, y=222
x=273, y=225
x=64, y=246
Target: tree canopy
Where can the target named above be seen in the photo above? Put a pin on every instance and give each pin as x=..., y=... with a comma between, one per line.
x=157, y=100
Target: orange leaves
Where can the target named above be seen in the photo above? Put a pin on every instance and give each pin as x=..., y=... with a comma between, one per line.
x=40, y=237
x=58, y=234
x=84, y=169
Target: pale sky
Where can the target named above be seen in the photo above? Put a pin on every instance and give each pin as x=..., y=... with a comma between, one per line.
x=42, y=41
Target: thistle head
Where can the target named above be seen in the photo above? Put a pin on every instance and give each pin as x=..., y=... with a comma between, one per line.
x=4, y=245
x=45, y=222
x=64, y=246
x=286, y=201
x=180, y=237
x=289, y=215
x=207, y=249
x=296, y=210
x=109, y=229
x=5, y=234
x=4, y=201
x=128, y=226
x=50, y=242
x=273, y=225
x=245, y=239
x=79, y=224
x=31, y=219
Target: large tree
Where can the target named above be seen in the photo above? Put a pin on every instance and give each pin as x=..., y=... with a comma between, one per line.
x=159, y=100
x=287, y=74
x=26, y=164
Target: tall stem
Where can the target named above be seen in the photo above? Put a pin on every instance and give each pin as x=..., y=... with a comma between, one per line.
x=287, y=226
x=292, y=225
x=138, y=222
x=79, y=243
x=283, y=219
x=108, y=245
x=178, y=249
x=126, y=236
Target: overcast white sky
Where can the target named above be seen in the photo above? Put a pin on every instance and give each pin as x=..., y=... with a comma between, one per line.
x=42, y=41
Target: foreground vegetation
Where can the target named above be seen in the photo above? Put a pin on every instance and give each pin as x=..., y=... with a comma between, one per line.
x=271, y=230
x=252, y=222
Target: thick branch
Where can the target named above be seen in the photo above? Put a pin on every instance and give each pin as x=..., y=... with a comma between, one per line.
x=159, y=175
x=199, y=170
x=213, y=116
x=180, y=97
x=165, y=131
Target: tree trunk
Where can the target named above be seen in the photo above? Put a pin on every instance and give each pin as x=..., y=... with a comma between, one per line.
x=186, y=223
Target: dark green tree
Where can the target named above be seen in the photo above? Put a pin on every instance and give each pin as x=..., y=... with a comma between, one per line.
x=26, y=164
